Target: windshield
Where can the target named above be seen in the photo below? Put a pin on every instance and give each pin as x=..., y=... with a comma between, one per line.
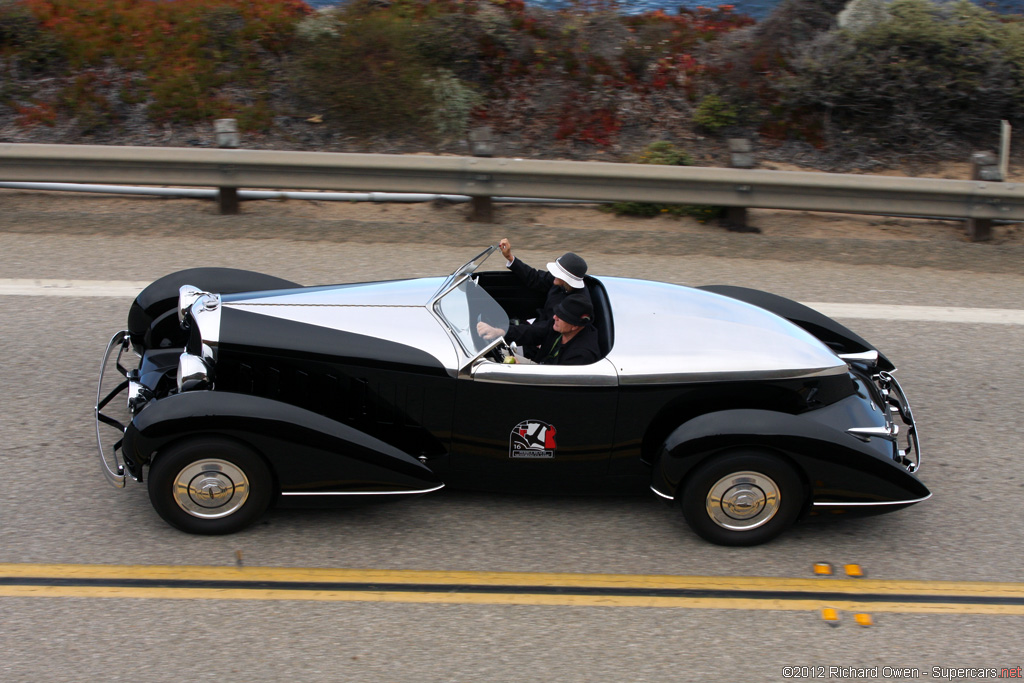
x=466, y=268
x=466, y=305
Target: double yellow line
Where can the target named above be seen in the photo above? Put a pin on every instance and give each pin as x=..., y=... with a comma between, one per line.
x=509, y=588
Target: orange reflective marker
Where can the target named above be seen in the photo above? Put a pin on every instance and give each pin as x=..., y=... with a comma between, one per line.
x=863, y=619
x=854, y=570
x=822, y=569
x=831, y=616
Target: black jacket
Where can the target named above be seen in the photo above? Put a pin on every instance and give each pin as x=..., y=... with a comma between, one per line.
x=546, y=347
x=538, y=280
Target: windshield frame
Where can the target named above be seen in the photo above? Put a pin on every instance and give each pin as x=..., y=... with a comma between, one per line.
x=491, y=308
x=467, y=268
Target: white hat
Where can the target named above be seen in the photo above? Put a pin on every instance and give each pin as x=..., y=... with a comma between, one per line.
x=570, y=268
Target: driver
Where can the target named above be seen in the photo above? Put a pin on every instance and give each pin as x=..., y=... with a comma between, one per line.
x=569, y=338
x=564, y=277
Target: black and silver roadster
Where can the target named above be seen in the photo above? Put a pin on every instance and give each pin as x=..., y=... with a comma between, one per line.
x=746, y=409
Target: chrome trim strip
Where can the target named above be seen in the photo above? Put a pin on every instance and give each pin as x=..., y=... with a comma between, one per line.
x=682, y=377
x=865, y=357
x=666, y=497
x=361, y=493
x=116, y=478
x=865, y=504
x=600, y=373
x=890, y=433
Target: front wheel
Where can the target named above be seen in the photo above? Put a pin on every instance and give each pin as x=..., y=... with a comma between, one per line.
x=209, y=486
x=742, y=498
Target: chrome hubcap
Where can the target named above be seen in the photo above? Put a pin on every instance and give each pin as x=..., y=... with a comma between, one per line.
x=743, y=500
x=210, y=489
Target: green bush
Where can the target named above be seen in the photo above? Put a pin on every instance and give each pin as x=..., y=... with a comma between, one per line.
x=666, y=154
x=713, y=114
x=663, y=153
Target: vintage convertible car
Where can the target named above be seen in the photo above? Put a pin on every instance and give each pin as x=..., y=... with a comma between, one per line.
x=747, y=409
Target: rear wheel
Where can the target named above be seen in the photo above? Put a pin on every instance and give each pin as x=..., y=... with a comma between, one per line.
x=742, y=498
x=210, y=486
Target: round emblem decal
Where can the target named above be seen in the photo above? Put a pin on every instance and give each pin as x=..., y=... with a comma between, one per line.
x=532, y=439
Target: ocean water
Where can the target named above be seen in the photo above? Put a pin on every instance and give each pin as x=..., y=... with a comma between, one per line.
x=758, y=9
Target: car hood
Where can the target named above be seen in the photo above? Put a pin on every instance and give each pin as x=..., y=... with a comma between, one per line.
x=391, y=311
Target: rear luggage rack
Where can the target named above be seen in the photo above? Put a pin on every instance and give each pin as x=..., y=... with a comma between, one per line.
x=897, y=404
x=115, y=473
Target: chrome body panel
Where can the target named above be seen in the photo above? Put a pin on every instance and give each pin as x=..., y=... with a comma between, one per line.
x=665, y=333
x=416, y=292
x=187, y=296
x=673, y=334
x=193, y=373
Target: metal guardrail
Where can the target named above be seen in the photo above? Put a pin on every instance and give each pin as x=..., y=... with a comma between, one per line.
x=484, y=177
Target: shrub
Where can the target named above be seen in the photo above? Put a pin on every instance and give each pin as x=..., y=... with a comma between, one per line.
x=666, y=154
x=920, y=73
x=84, y=99
x=453, y=102
x=744, y=67
x=713, y=114
x=184, y=52
x=23, y=37
x=369, y=77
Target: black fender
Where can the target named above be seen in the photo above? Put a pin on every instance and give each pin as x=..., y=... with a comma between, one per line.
x=153, y=316
x=836, y=336
x=837, y=467
x=308, y=453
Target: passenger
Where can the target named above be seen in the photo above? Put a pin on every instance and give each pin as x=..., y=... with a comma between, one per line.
x=570, y=337
x=563, y=277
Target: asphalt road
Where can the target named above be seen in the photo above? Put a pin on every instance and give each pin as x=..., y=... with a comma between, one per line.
x=964, y=380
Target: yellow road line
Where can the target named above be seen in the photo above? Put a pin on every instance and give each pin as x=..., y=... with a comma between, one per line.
x=509, y=588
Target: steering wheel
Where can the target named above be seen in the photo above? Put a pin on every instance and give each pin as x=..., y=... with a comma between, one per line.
x=499, y=352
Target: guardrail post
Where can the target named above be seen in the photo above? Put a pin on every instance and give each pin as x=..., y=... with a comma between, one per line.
x=984, y=166
x=740, y=156
x=481, y=144
x=227, y=138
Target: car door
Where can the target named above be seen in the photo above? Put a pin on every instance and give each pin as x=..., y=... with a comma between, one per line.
x=534, y=428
